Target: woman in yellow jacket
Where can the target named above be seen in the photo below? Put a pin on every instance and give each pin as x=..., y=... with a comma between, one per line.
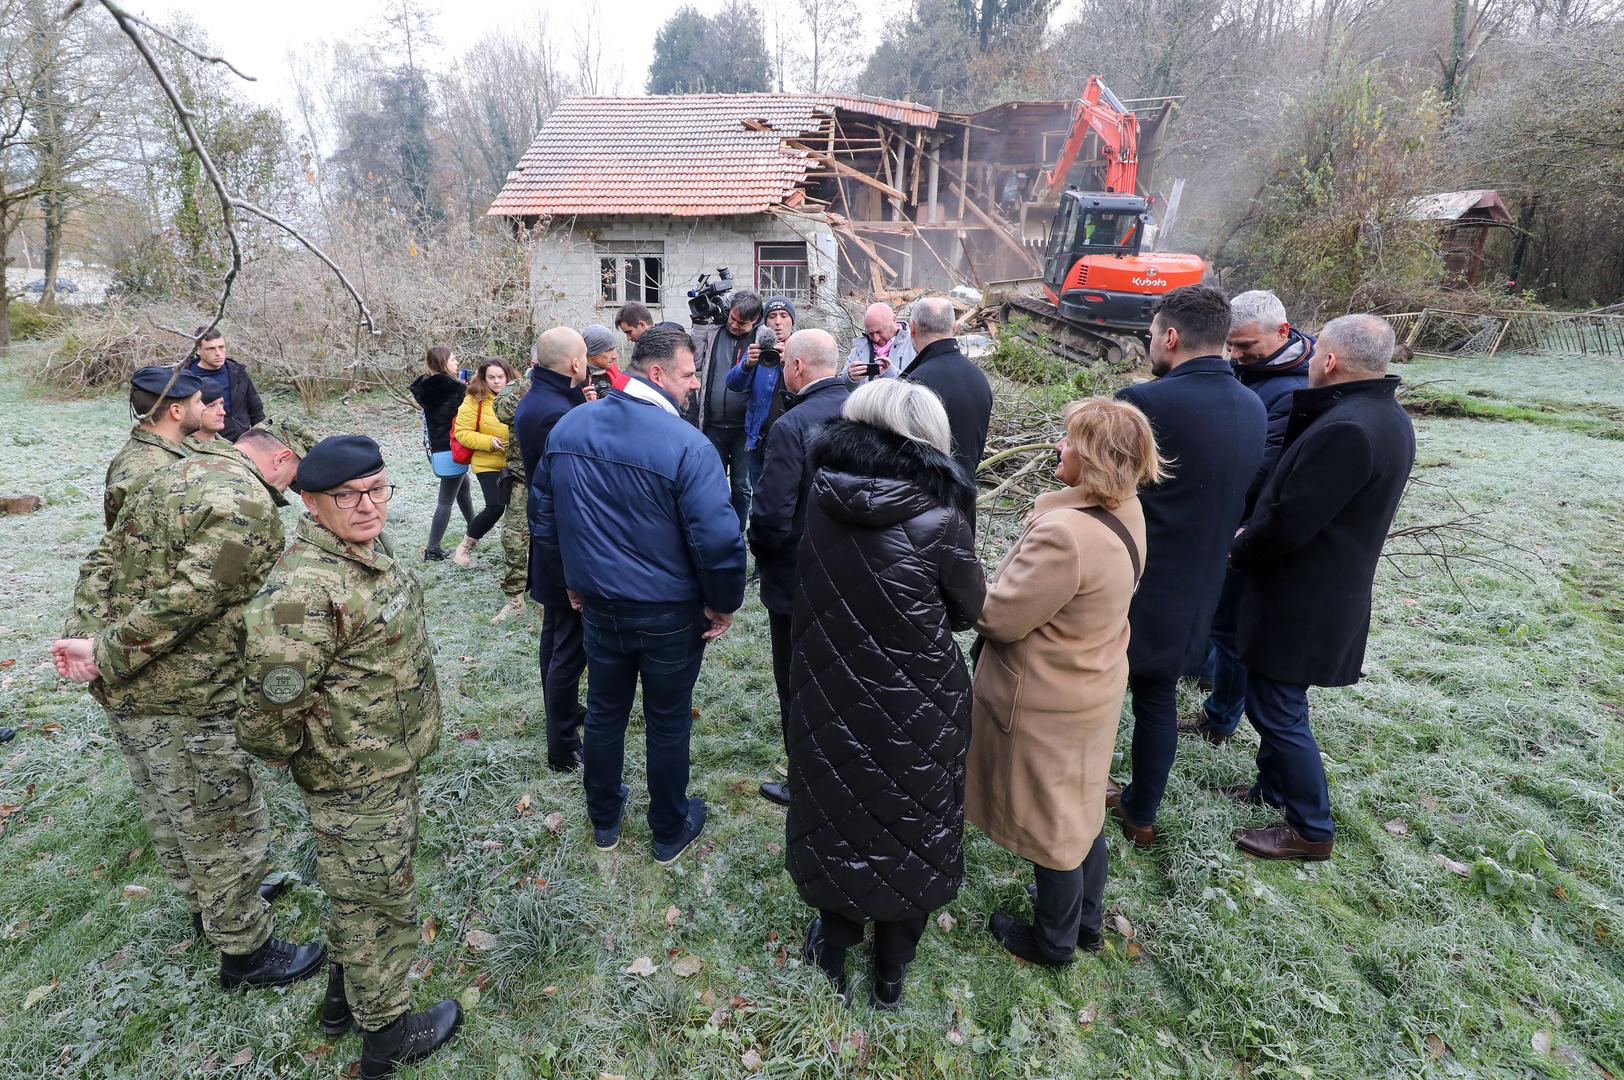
x=477, y=428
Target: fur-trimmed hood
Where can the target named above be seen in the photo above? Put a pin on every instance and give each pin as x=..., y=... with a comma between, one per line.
x=869, y=476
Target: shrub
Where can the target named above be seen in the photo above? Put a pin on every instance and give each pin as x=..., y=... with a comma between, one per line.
x=28, y=321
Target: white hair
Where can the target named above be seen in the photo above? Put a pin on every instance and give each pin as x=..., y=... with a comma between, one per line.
x=932, y=316
x=1363, y=342
x=1257, y=306
x=904, y=408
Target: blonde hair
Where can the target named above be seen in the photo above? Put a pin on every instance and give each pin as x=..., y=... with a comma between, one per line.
x=903, y=408
x=1117, y=448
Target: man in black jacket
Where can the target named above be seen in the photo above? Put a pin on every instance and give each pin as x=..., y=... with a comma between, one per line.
x=960, y=384
x=1211, y=428
x=1309, y=553
x=555, y=389
x=211, y=364
x=778, y=511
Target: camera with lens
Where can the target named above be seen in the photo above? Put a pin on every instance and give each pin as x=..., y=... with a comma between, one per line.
x=705, y=303
x=767, y=347
x=600, y=383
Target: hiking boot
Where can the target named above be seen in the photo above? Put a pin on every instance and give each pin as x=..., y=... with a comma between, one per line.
x=435, y=554
x=275, y=963
x=465, y=551
x=335, y=1007
x=666, y=854
x=608, y=839
x=830, y=961
x=775, y=792
x=412, y=1037
x=514, y=606
x=1018, y=940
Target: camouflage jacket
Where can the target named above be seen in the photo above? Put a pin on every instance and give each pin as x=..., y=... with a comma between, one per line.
x=163, y=593
x=339, y=677
x=144, y=454
x=506, y=405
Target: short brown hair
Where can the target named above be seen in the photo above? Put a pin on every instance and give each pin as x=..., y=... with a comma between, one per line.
x=478, y=387
x=1200, y=313
x=437, y=356
x=1118, y=449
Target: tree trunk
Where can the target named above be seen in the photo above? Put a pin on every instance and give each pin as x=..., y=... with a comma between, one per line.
x=51, y=203
x=1457, y=54
x=1524, y=221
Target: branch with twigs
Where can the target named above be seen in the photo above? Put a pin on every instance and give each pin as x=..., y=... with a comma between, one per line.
x=135, y=28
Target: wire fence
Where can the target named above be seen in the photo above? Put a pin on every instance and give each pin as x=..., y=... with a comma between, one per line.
x=1446, y=333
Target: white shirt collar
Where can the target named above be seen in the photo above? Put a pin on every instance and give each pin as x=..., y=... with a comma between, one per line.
x=643, y=390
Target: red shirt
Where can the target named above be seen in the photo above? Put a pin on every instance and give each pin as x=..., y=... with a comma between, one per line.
x=617, y=378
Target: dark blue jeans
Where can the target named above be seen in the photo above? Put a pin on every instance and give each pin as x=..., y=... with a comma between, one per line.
x=1155, y=741
x=1289, y=772
x=1223, y=668
x=730, y=443
x=659, y=644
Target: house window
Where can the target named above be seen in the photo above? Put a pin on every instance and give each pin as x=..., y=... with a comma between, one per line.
x=781, y=270
x=630, y=270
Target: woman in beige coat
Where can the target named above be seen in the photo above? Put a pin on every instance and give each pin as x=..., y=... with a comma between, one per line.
x=1051, y=675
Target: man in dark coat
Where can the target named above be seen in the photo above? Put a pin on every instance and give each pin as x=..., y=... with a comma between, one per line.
x=1211, y=428
x=555, y=389
x=778, y=511
x=960, y=384
x=1309, y=554
x=1270, y=359
x=211, y=364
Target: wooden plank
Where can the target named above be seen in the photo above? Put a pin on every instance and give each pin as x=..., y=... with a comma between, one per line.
x=964, y=169
x=918, y=156
x=999, y=230
x=845, y=170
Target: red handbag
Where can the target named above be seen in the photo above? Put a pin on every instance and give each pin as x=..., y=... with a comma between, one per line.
x=461, y=454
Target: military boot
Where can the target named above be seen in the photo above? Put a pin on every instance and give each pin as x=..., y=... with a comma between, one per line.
x=275, y=963
x=335, y=1007
x=412, y=1037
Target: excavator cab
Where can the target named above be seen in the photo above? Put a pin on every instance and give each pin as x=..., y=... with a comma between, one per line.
x=1094, y=271
x=1088, y=224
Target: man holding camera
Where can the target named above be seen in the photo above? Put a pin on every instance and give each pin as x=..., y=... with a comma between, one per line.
x=603, y=374
x=718, y=411
x=884, y=350
x=757, y=375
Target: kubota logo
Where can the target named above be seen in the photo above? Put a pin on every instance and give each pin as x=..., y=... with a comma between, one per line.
x=1149, y=280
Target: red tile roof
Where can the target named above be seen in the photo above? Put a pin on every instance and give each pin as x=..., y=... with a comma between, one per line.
x=690, y=155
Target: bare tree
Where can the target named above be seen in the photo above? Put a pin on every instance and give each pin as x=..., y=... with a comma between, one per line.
x=21, y=74
x=834, y=48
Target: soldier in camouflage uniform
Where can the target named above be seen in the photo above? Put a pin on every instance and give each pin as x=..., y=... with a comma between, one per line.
x=212, y=415
x=167, y=409
x=340, y=683
x=157, y=631
x=516, y=522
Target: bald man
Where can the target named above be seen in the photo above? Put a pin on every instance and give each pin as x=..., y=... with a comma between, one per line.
x=778, y=514
x=559, y=375
x=885, y=348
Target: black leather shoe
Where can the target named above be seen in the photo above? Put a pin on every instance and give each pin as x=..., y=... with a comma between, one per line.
x=1088, y=939
x=275, y=963
x=816, y=951
x=775, y=792
x=565, y=763
x=410, y=1038
x=1016, y=938
x=335, y=1007
x=886, y=992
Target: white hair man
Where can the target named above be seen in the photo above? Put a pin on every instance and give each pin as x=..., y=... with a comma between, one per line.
x=885, y=349
x=960, y=384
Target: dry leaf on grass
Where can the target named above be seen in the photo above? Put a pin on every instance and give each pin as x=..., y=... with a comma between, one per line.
x=136, y=892
x=522, y=807
x=1436, y=1047
x=1122, y=926
x=672, y=915
x=480, y=940
x=36, y=994
x=1451, y=865
x=642, y=966
x=1085, y=1015
x=243, y=1056
x=688, y=965
x=1430, y=803
x=431, y=929
x=1397, y=827
x=946, y=922
x=751, y=1060
x=611, y=1076
x=553, y=821
x=955, y=1036
x=1541, y=1042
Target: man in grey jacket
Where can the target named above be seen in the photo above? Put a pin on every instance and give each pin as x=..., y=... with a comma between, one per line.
x=886, y=343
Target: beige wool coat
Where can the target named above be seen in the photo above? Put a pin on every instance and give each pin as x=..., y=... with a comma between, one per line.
x=1049, y=683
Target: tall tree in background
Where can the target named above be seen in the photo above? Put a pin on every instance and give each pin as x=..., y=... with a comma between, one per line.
x=21, y=73
x=725, y=53
x=834, y=48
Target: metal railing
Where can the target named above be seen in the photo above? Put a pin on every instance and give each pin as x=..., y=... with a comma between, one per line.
x=1446, y=333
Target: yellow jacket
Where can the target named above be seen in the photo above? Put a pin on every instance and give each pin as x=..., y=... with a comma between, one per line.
x=478, y=439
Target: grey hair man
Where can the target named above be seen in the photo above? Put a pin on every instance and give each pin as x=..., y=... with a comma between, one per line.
x=960, y=384
x=778, y=513
x=1309, y=555
x=884, y=350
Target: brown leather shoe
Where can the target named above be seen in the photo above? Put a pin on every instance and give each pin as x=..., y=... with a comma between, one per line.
x=1280, y=841
x=1142, y=836
x=1199, y=728
x=1113, y=790
x=1242, y=793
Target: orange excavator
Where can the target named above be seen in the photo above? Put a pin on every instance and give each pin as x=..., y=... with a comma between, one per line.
x=1099, y=279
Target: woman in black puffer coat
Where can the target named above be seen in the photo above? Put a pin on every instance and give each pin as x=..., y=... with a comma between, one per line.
x=879, y=714
x=439, y=392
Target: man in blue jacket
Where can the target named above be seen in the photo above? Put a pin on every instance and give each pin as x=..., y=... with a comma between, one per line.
x=556, y=380
x=633, y=515
x=1270, y=358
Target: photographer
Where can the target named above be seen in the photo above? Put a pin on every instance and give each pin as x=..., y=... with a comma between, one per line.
x=884, y=350
x=603, y=374
x=718, y=411
x=757, y=374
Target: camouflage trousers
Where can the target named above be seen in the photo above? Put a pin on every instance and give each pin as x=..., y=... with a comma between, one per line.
x=365, y=840
x=516, y=541
x=209, y=824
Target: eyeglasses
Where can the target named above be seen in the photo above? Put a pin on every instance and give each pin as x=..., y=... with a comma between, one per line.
x=348, y=500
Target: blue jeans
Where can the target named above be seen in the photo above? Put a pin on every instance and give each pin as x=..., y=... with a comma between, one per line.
x=1289, y=772
x=1223, y=668
x=731, y=444
x=659, y=644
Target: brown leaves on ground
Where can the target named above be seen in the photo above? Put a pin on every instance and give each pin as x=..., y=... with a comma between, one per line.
x=1435, y=1047
x=946, y=922
x=1458, y=868
x=642, y=967
x=480, y=940
x=136, y=892
x=431, y=929
x=1398, y=827
x=522, y=807
x=553, y=822
x=671, y=916
x=751, y=1060
x=687, y=966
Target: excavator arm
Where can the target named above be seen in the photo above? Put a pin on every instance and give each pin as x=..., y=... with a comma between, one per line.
x=1099, y=111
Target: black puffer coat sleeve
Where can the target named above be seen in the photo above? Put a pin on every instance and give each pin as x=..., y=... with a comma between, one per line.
x=438, y=396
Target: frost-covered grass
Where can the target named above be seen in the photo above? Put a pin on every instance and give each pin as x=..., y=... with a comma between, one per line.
x=1487, y=734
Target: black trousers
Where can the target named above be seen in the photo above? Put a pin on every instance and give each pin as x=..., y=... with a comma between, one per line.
x=1068, y=899
x=778, y=627
x=490, y=485
x=563, y=658
x=1155, y=741
x=895, y=943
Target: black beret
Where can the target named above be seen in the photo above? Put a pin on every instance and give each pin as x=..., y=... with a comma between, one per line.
x=211, y=392
x=154, y=378
x=337, y=460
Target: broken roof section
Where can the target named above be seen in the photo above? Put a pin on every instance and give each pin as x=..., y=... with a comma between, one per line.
x=1455, y=205
x=690, y=155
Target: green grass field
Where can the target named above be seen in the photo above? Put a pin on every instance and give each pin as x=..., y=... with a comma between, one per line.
x=1469, y=925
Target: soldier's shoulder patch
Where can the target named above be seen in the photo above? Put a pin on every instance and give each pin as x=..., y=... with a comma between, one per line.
x=288, y=614
x=231, y=564
x=281, y=684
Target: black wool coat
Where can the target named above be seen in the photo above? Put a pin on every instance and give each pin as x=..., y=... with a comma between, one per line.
x=1212, y=429
x=778, y=507
x=439, y=396
x=879, y=717
x=1310, y=549
x=965, y=395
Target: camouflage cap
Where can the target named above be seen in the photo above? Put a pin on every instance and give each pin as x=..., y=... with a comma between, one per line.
x=290, y=432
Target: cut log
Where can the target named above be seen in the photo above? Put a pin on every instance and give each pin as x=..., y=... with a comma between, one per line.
x=20, y=504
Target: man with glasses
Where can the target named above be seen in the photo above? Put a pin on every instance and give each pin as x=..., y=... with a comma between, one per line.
x=340, y=685
x=885, y=349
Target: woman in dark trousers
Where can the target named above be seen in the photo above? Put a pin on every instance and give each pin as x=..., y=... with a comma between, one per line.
x=438, y=393
x=879, y=714
x=477, y=428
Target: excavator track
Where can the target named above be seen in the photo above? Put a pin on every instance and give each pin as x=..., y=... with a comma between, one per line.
x=1041, y=324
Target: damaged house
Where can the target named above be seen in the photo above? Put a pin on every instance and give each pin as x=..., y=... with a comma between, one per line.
x=819, y=197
